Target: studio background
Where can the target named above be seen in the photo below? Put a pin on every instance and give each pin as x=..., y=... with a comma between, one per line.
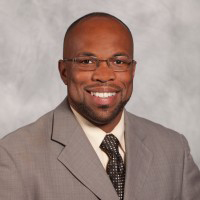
x=167, y=46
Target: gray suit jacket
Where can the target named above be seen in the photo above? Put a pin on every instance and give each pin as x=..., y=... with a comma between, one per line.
x=52, y=159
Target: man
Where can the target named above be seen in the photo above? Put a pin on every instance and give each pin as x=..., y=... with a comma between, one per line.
x=89, y=147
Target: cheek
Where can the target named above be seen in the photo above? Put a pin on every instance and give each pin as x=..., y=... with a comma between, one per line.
x=129, y=88
x=76, y=81
x=127, y=83
x=126, y=80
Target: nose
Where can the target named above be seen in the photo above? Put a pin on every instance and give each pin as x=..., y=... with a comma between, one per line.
x=103, y=73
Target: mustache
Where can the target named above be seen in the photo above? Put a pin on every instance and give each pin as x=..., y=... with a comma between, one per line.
x=116, y=87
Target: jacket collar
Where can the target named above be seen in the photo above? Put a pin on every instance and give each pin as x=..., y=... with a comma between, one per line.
x=138, y=157
x=78, y=155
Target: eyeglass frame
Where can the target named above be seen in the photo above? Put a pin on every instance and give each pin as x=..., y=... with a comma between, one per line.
x=132, y=61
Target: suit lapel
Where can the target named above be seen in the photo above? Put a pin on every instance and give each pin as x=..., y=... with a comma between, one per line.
x=79, y=156
x=138, y=159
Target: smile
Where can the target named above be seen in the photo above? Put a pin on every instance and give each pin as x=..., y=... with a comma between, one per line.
x=103, y=94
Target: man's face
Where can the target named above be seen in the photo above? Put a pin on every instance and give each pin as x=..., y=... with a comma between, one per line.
x=98, y=95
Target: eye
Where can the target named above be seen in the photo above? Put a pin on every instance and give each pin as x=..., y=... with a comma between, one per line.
x=85, y=60
x=118, y=62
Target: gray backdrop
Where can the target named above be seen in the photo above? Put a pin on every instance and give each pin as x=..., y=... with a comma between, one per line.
x=167, y=45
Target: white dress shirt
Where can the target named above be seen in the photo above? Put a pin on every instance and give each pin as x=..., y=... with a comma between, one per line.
x=96, y=135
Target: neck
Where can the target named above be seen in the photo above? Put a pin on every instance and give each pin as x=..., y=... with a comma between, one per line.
x=111, y=125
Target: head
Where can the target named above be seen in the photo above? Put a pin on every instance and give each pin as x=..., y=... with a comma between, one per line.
x=101, y=94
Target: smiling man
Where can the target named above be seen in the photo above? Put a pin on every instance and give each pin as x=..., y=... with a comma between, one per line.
x=98, y=69
x=90, y=147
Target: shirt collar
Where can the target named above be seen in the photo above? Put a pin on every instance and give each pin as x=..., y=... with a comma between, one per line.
x=96, y=135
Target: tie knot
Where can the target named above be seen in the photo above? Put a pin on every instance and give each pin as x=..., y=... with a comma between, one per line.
x=110, y=145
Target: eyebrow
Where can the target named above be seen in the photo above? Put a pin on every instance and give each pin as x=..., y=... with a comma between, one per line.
x=86, y=54
x=94, y=55
x=120, y=54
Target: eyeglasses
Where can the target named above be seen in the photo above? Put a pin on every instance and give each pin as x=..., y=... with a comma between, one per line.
x=89, y=63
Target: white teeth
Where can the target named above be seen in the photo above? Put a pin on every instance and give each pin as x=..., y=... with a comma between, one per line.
x=103, y=94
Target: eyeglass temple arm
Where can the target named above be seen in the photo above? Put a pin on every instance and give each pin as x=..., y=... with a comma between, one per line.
x=134, y=62
x=68, y=59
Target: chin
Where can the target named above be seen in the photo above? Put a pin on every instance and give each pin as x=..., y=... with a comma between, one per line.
x=101, y=119
x=102, y=115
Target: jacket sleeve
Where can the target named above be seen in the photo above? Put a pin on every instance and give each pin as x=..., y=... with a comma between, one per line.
x=191, y=176
x=11, y=186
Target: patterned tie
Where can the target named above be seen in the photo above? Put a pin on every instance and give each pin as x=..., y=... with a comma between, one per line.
x=115, y=167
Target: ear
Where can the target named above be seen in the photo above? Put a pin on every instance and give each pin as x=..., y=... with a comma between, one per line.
x=134, y=67
x=63, y=71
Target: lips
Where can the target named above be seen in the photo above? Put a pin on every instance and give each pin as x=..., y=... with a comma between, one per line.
x=101, y=94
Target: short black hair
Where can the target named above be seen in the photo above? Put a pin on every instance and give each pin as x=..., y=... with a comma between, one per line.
x=95, y=14
x=91, y=15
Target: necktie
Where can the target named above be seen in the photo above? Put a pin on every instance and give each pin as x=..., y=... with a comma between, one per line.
x=115, y=167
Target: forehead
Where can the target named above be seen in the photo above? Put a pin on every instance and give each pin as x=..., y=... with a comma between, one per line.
x=98, y=33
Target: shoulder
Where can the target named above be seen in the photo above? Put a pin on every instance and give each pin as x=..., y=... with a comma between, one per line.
x=29, y=135
x=157, y=137
x=150, y=126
